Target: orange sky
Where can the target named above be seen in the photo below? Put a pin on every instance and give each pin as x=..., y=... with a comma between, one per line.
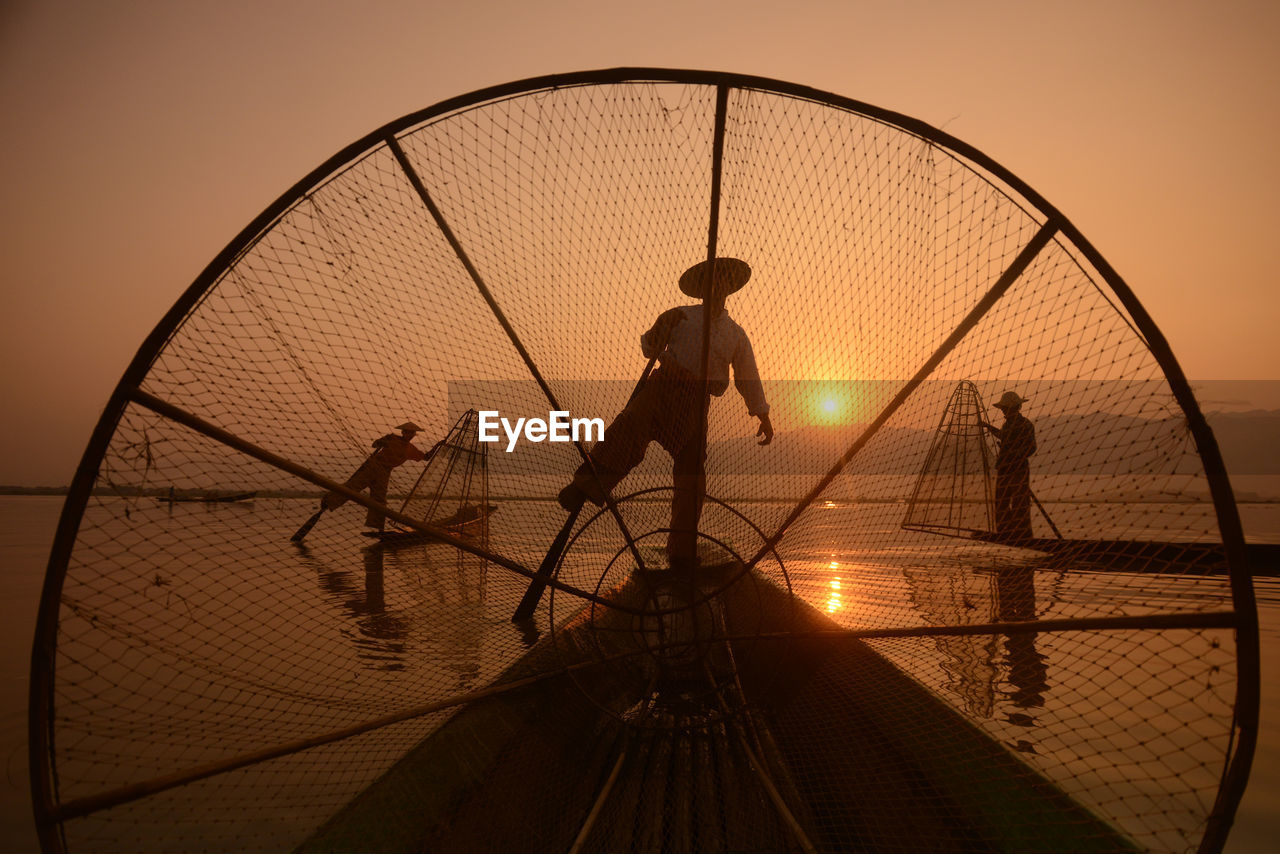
x=140, y=137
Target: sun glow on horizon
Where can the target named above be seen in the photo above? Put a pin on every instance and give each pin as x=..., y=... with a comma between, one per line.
x=831, y=404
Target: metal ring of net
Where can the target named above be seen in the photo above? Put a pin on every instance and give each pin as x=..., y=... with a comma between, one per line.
x=670, y=660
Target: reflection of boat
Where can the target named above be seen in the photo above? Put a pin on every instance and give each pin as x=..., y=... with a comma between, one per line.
x=468, y=521
x=380, y=634
x=957, y=596
x=210, y=497
x=1204, y=558
x=972, y=668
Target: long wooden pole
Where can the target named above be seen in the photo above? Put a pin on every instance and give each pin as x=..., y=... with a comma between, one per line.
x=231, y=440
x=421, y=189
x=708, y=299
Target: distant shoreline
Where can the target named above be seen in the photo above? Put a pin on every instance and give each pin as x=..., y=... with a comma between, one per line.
x=154, y=492
x=1242, y=497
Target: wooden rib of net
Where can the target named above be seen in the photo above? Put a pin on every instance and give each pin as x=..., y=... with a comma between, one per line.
x=837, y=675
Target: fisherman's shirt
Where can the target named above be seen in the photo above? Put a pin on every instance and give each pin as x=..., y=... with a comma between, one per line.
x=394, y=450
x=729, y=346
x=1017, y=442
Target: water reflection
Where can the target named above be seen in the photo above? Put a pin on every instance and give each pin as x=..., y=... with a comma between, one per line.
x=834, y=602
x=1015, y=592
x=980, y=669
x=411, y=606
x=449, y=590
x=957, y=596
x=379, y=634
x=833, y=598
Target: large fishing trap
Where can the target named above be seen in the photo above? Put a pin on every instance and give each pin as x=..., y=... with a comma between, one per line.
x=827, y=680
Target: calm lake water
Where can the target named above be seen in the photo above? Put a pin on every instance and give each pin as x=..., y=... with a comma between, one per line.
x=26, y=530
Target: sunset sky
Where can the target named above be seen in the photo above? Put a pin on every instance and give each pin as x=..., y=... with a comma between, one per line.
x=140, y=137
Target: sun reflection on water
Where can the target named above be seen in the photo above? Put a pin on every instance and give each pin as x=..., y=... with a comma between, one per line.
x=833, y=596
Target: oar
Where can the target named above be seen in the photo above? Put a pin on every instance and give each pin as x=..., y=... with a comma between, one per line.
x=306, y=527
x=539, y=584
x=302, y=532
x=648, y=369
x=536, y=587
x=1043, y=513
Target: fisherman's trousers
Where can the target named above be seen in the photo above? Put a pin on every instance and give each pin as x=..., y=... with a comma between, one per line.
x=375, y=475
x=1013, y=500
x=665, y=410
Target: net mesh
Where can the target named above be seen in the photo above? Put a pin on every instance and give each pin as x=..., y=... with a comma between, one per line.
x=453, y=490
x=956, y=490
x=830, y=678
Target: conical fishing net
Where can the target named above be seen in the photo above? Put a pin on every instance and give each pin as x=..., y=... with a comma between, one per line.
x=817, y=677
x=452, y=492
x=955, y=493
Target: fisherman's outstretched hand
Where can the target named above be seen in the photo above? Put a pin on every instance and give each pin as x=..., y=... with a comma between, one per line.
x=766, y=430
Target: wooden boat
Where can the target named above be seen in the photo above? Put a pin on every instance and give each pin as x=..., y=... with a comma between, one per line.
x=641, y=776
x=207, y=497
x=1147, y=556
x=469, y=521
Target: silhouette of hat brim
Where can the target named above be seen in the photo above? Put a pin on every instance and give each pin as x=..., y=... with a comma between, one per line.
x=1009, y=400
x=410, y=426
x=729, y=274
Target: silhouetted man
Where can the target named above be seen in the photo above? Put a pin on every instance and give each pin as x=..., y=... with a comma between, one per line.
x=390, y=451
x=1013, y=472
x=667, y=407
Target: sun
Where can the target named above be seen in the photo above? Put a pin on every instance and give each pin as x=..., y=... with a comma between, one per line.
x=830, y=405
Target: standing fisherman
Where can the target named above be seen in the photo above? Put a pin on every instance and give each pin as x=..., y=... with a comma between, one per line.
x=1013, y=472
x=375, y=473
x=666, y=407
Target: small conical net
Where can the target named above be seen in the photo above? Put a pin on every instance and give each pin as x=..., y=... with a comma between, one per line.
x=452, y=492
x=955, y=492
x=205, y=679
